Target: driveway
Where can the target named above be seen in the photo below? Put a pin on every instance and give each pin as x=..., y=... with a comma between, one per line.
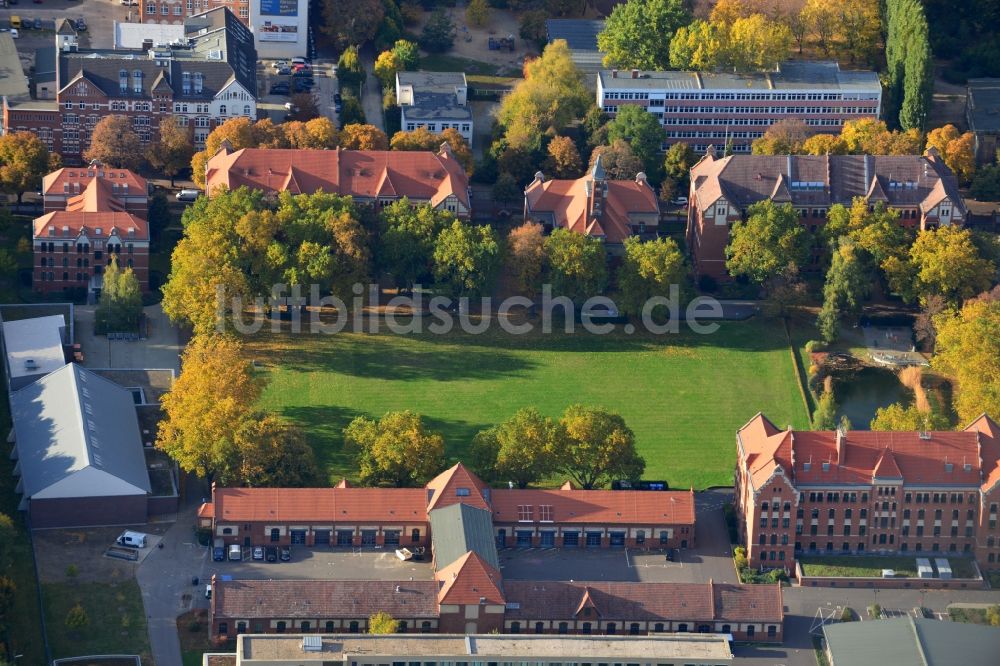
x=371, y=90
x=160, y=350
x=100, y=16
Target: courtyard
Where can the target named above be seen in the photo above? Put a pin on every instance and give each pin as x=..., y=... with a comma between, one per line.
x=683, y=395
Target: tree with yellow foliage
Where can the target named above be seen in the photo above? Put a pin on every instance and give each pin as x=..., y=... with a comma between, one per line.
x=363, y=137
x=861, y=27
x=957, y=150
x=824, y=144
x=386, y=66
x=823, y=21
x=756, y=43
x=968, y=349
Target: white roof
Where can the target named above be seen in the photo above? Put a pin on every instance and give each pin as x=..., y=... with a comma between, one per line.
x=132, y=35
x=39, y=340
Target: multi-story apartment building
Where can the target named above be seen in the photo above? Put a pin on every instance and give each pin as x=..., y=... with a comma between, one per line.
x=920, y=187
x=203, y=83
x=91, y=214
x=436, y=101
x=853, y=492
x=718, y=108
x=280, y=27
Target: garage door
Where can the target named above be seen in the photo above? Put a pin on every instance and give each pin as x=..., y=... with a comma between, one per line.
x=322, y=538
x=548, y=539
x=298, y=537
x=368, y=537
x=345, y=537
x=392, y=538
x=523, y=538
x=617, y=539
x=571, y=539
x=593, y=539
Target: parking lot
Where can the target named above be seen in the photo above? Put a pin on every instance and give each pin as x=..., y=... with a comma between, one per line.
x=274, y=105
x=323, y=563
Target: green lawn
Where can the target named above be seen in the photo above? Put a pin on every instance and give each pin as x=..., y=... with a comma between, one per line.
x=683, y=395
x=438, y=62
x=854, y=566
x=969, y=615
x=117, y=619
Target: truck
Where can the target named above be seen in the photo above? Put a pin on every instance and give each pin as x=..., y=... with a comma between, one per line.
x=219, y=550
x=131, y=539
x=235, y=553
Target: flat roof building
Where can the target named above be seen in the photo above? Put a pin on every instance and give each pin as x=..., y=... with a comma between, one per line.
x=909, y=640
x=580, y=36
x=436, y=101
x=33, y=348
x=982, y=113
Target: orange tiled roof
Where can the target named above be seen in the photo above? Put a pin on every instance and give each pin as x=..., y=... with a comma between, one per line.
x=206, y=510
x=457, y=485
x=597, y=506
x=76, y=222
x=418, y=175
x=97, y=196
x=469, y=580
x=989, y=439
x=235, y=505
x=53, y=182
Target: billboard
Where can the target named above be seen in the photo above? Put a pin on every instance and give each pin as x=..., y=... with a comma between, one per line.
x=269, y=31
x=279, y=7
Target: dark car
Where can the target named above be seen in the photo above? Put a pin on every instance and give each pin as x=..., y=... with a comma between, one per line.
x=81, y=25
x=303, y=85
x=286, y=553
x=272, y=553
x=283, y=71
x=303, y=73
x=338, y=102
x=37, y=24
x=281, y=88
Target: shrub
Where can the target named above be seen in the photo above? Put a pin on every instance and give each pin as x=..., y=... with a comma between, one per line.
x=847, y=615
x=707, y=284
x=194, y=626
x=813, y=346
x=875, y=611
x=740, y=558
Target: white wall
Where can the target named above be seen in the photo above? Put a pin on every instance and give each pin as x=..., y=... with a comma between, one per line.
x=293, y=14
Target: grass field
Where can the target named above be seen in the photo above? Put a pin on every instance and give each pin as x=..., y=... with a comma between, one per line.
x=683, y=395
x=853, y=566
x=117, y=619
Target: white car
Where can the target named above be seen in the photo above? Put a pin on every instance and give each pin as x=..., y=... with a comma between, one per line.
x=278, y=64
x=679, y=201
x=14, y=34
x=188, y=195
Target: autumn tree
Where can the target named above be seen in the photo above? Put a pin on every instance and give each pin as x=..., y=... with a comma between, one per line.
x=825, y=415
x=617, y=160
x=113, y=142
x=821, y=18
x=351, y=23
x=551, y=95
x=945, y=262
x=386, y=66
x=382, y=623
x=396, y=450
x=957, y=150
x=785, y=137
x=120, y=305
x=172, y=150
x=594, y=446
x=860, y=27
x=272, y=453
x=407, y=242
x=868, y=136
x=363, y=137
x=350, y=71
x=770, y=239
x=824, y=144
x=898, y=417
x=641, y=130
x=478, y=13
x=77, y=618
x=519, y=450
x=650, y=268
x=756, y=43
x=466, y=258
x=238, y=132
x=407, y=53
x=638, y=33
x=727, y=12
x=577, y=264
x=526, y=257
x=564, y=159
x=24, y=160
x=423, y=139
x=677, y=163
x=318, y=133
x=697, y=46
x=968, y=349
x=439, y=31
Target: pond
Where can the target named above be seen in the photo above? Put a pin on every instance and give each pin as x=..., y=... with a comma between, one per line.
x=865, y=391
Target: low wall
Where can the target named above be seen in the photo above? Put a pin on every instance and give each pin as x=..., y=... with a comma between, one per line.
x=890, y=583
x=157, y=506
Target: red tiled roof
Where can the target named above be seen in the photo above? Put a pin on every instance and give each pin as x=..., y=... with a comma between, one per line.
x=859, y=456
x=235, y=505
x=418, y=175
x=989, y=439
x=446, y=487
x=97, y=196
x=89, y=222
x=206, y=510
x=53, y=182
x=324, y=599
x=643, y=601
x=597, y=506
x=470, y=580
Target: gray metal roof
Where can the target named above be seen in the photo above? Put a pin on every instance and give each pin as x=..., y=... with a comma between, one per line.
x=13, y=83
x=459, y=528
x=983, y=105
x=912, y=641
x=789, y=76
x=434, y=95
x=34, y=347
x=580, y=34
x=45, y=64
x=77, y=435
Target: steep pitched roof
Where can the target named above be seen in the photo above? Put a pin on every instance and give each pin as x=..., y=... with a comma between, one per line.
x=595, y=506
x=766, y=447
x=65, y=225
x=244, y=505
x=886, y=467
x=989, y=441
x=460, y=528
x=469, y=580
x=457, y=485
x=78, y=178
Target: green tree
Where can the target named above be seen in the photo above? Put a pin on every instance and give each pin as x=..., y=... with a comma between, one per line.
x=350, y=71
x=642, y=131
x=408, y=54
x=968, y=349
x=8, y=589
x=438, y=35
x=8, y=538
x=577, y=264
x=113, y=142
x=697, y=46
x=120, y=306
x=24, y=159
x=907, y=418
x=382, y=623
x=650, y=269
x=478, y=13
x=396, y=450
x=638, y=33
x=769, y=240
x=273, y=454
x=825, y=414
x=386, y=66
x=845, y=289
x=352, y=114
x=594, y=446
x=518, y=450
x=677, y=163
x=77, y=618
x=172, y=150
x=947, y=262
x=466, y=259
x=909, y=75
x=408, y=238
x=531, y=27
x=618, y=160
x=986, y=184
x=505, y=189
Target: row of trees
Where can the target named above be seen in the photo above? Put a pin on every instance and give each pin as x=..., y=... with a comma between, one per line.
x=742, y=35
x=909, y=64
x=590, y=445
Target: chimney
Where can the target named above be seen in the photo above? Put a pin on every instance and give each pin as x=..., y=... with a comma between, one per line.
x=640, y=178
x=840, y=446
x=539, y=177
x=614, y=73
x=635, y=73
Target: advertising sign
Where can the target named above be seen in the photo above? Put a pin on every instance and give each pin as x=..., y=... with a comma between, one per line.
x=279, y=7
x=269, y=31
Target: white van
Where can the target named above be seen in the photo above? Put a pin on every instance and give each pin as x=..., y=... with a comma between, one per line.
x=235, y=553
x=188, y=195
x=132, y=539
x=208, y=591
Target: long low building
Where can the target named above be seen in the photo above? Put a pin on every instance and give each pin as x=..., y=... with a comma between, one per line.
x=377, y=650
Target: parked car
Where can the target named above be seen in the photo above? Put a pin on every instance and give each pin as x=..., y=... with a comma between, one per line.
x=286, y=553
x=299, y=61
x=271, y=553
x=81, y=25
x=14, y=33
x=302, y=73
x=15, y=21
x=208, y=591
x=338, y=102
x=283, y=71
x=280, y=88
x=258, y=552
x=235, y=553
x=278, y=64
x=219, y=550
x=679, y=201
x=303, y=85
x=188, y=195
x=37, y=24
x=132, y=539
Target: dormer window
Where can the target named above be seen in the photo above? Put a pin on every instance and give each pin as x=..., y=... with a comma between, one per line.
x=97, y=231
x=198, y=81
x=137, y=81
x=123, y=79
x=461, y=492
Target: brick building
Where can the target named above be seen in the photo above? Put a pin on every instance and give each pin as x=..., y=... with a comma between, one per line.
x=862, y=491
x=204, y=83
x=706, y=108
x=91, y=214
x=376, y=177
x=920, y=187
x=595, y=205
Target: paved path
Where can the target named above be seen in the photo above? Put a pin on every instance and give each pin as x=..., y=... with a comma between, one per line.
x=371, y=91
x=159, y=351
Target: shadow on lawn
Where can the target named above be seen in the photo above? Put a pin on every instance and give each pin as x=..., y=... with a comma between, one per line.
x=324, y=426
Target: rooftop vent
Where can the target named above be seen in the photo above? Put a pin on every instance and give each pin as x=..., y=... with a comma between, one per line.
x=924, y=434
x=312, y=643
x=29, y=364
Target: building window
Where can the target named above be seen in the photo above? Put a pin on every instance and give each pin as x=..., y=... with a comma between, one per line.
x=515, y=627
x=353, y=627
x=640, y=537
x=545, y=513
x=524, y=512
x=281, y=627
x=223, y=628
x=415, y=535
x=611, y=628
x=275, y=534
